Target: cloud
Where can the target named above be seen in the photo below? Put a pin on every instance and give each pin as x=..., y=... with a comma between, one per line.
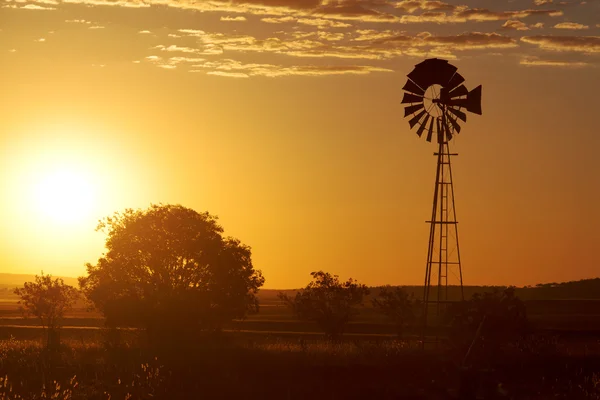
x=41, y=40
x=371, y=34
x=481, y=14
x=323, y=23
x=236, y=69
x=463, y=14
x=553, y=63
x=280, y=20
x=78, y=21
x=228, y=74
x=144, y=32
x=233, y=19
x=515, y=24
x=472, y=40
x=330, y=36
x=36, y=7
x=12, y=50
x=366, y=44
x=175, y=48
x=539, y=25
x=570, y=25
x=585, y=44
x=96, y=27
x=541, y=2
x=412, y=5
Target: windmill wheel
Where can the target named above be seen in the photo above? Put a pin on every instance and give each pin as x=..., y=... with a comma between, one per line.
x=436, y=97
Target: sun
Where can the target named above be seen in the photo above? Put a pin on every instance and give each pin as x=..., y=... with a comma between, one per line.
x=64, y=196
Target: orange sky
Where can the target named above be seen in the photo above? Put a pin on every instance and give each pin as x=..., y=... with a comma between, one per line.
x=284, y=119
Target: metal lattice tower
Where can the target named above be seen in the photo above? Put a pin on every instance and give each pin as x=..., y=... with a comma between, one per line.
x=437, y=96
x=443, y=266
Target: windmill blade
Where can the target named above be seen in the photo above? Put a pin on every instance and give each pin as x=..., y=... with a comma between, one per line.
x=458, y=103
x=446, y=128
x=416, y=119
x=422, y=127
x=458, y=113
x=456, y=80
x=411, y=98
x=459, y=91
x=455, y=124
x=432, y=71
x=412, y=109
x=410, y=86
x=430, y=133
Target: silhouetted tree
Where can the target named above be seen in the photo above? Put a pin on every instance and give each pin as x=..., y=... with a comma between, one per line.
x=328, y=302
x=47, y=299
x=397, y=305
x=170, y=270
x=505, y=319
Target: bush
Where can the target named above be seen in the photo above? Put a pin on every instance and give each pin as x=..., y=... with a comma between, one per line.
x=328, y=302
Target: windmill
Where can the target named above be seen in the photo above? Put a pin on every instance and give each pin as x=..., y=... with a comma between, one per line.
x=437, y=99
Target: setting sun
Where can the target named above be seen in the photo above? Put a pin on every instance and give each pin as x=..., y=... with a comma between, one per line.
x=64, y=196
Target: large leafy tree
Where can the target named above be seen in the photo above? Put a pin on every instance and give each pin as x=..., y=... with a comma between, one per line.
x=328, y=302
x=48, y=300
x=169, y=267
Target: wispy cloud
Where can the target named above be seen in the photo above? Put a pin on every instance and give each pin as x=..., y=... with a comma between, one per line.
x=516, y=25
x=236, y=69
x=553, y=63
x=233, y=19
x=37, y=7
x=585, y=44
x=570, y=25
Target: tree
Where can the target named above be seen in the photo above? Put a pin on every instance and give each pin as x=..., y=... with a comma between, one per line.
x=499, y=317
x=397, y=305
x=169, y=270
x=328, y=302
x=47, y=299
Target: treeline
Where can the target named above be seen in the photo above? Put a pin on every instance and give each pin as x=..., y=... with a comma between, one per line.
x=585, y=289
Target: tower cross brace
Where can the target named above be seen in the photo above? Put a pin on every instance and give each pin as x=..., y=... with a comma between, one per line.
x=443, y=253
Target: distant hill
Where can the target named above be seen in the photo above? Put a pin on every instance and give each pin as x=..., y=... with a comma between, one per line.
x=585, y=289
x=581, y=290
x=15, y=280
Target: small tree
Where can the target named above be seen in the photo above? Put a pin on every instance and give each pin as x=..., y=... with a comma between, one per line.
x=328, y=302
x=47, y=299
x=499, y=316
x=397, y=305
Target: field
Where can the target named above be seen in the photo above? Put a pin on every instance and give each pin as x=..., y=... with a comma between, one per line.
x=271, y=355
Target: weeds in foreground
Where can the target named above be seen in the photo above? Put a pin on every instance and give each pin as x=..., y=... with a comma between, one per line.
x=277, y=368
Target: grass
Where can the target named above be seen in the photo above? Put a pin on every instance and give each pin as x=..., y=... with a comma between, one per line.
x=267, y=367
x=269, y=363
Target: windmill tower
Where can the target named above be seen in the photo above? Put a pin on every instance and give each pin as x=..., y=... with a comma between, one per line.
x=436, y=98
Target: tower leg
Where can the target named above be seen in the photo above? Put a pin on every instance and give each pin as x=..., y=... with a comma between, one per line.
x=443, y=252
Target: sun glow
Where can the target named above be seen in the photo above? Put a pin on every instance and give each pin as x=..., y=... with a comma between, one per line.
x=64, y=196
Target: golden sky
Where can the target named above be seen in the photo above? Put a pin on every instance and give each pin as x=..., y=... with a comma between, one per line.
x=283, y=118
